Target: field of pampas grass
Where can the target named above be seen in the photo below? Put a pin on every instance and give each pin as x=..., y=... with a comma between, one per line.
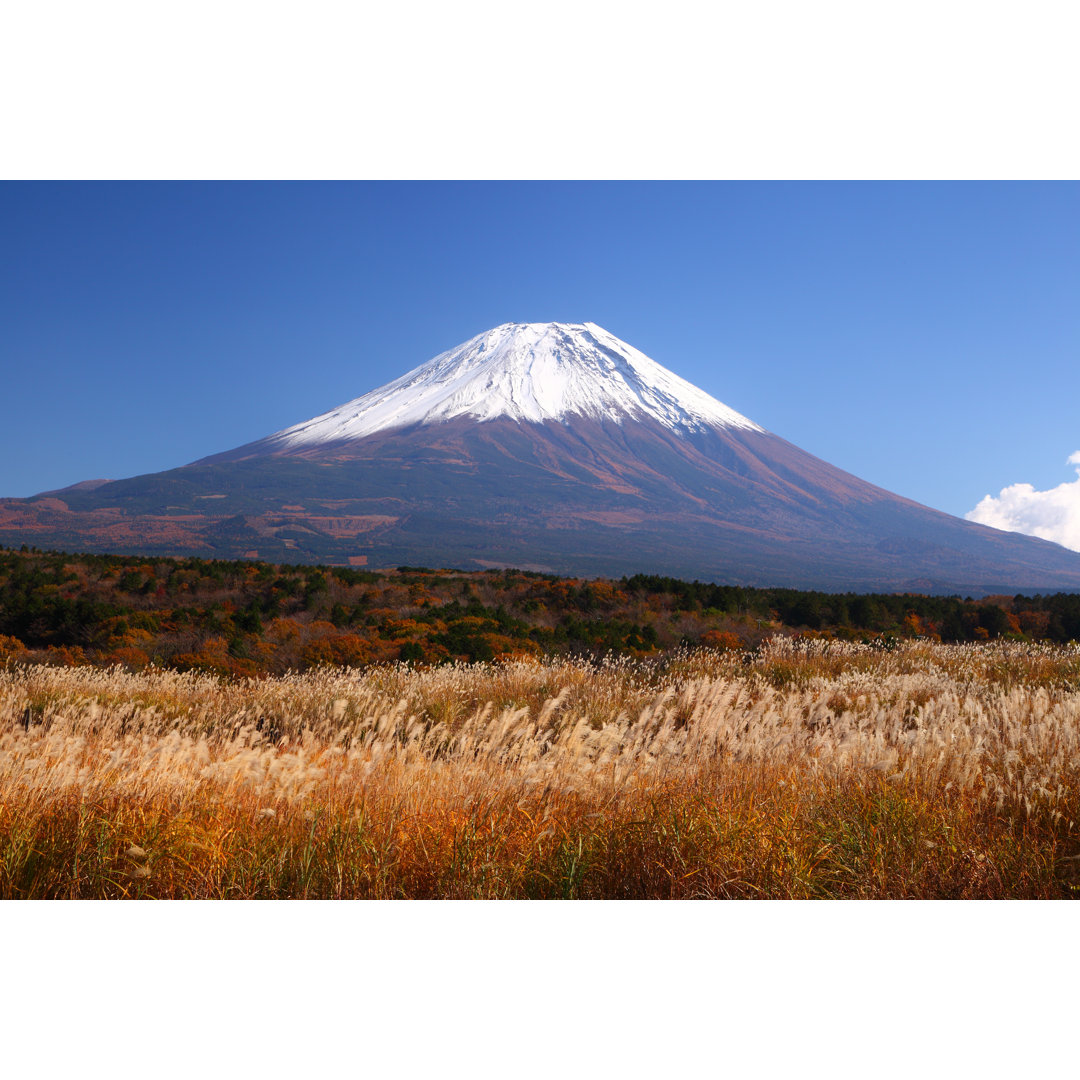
x=806, y=769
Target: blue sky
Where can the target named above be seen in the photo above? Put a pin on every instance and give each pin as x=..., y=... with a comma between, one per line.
x=924, y=336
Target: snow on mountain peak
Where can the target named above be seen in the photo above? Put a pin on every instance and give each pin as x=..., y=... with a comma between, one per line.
x=527, y=372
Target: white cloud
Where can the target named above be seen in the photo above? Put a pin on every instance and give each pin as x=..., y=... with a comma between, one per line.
x=1053, y=515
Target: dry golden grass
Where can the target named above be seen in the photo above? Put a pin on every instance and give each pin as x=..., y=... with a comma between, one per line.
x=807, y=769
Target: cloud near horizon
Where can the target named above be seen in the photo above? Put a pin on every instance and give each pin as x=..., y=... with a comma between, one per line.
x=1052, y=515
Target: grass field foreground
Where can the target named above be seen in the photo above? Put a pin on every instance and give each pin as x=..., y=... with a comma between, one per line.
x=806, y=768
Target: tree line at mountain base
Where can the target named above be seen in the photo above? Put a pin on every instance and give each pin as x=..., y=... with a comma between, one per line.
x=248, y=618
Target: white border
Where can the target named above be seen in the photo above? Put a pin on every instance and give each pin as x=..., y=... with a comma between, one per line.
x=581, y=90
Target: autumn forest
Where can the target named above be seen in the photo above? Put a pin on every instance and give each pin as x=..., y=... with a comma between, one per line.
x=251, y=618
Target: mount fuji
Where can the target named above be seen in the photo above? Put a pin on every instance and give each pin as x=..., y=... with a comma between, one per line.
x=552, y=447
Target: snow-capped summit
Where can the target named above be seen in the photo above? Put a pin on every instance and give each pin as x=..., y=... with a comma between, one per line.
x=526, y=372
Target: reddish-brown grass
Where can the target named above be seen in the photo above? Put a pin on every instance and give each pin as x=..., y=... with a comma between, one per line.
x=812, y=769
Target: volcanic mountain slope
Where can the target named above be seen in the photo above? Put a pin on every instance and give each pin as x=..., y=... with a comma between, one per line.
x=552, y=447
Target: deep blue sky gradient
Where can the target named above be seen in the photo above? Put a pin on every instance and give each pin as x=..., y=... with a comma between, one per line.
x=923, y=336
